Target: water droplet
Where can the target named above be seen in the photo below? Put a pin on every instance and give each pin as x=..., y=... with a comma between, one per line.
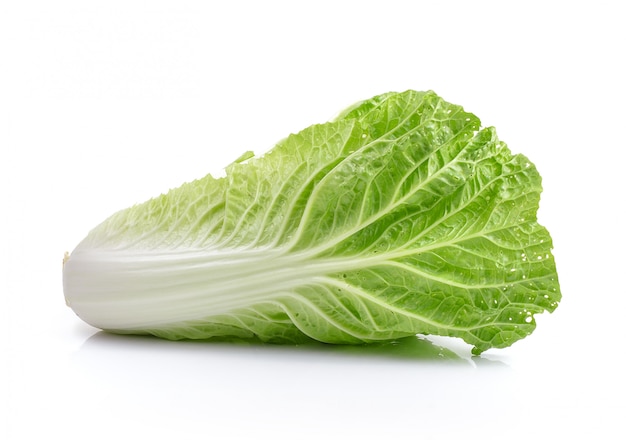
x=529, y=319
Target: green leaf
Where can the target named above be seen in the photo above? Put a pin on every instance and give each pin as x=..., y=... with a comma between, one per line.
x=402, y=216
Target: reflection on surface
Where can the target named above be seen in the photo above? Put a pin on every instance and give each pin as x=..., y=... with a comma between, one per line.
x=416, y=349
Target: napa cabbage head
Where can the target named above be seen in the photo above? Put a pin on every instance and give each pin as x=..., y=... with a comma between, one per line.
x=402, y=216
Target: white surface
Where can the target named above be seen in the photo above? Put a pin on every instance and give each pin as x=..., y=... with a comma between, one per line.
x=105, y=104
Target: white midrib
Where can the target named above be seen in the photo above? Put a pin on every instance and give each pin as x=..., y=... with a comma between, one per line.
x=135, y=289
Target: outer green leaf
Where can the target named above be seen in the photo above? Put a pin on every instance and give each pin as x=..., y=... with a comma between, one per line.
x=400, y=217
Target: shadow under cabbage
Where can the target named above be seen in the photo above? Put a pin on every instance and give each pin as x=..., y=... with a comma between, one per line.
x=412, y=348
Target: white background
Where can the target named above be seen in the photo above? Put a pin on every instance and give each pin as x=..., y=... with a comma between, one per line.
x=106, y=104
